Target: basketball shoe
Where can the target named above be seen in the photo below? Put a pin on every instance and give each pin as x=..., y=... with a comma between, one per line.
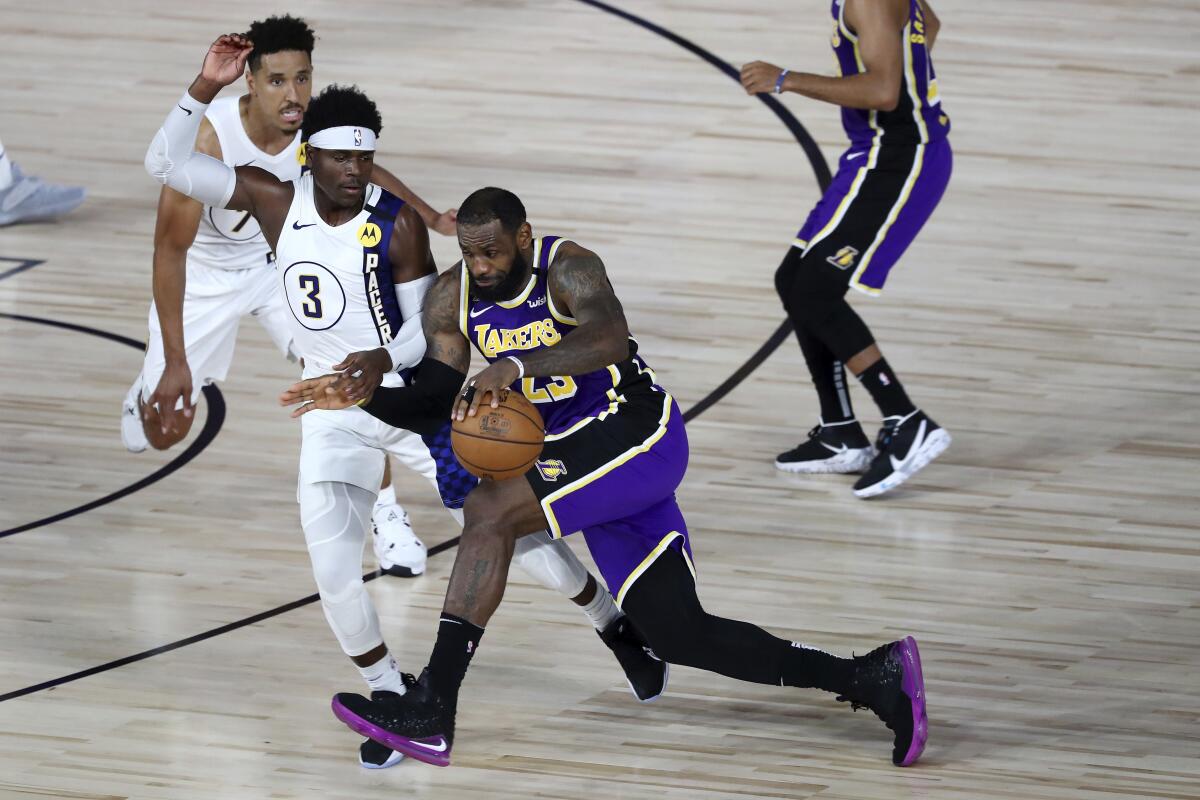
x=133, y=435
x=29, y=199
x=398, y=549
x=888, y=681
x=373, y=755
x=904, y=447
x=837, y=447
x=418, y=724
x=646, y=673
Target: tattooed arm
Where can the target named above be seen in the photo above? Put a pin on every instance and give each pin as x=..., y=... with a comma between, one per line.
x=578, y=286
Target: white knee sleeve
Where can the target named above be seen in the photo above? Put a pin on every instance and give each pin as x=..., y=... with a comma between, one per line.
x=551, y=563
x=335, y=517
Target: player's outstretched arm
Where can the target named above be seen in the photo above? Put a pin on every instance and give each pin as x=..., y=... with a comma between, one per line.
x=445, y=222
x=173, y=161
x=878, y=24
x=579, y=285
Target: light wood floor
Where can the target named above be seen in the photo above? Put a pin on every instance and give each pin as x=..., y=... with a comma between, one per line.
x=1047, y=316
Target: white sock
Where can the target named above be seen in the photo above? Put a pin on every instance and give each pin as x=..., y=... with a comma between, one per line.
x=387, y=497
x=384, y=676
x=602, y=610
x=6, y=177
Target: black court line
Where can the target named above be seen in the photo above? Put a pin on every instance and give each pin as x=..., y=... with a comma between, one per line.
x=22, y=265
x=820, y=170
x=212, y=425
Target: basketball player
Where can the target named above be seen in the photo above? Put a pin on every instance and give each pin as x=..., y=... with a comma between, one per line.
x=887, y=185
x=24, y=198
x=543, y=313
x=355, y=264
x=212, y=267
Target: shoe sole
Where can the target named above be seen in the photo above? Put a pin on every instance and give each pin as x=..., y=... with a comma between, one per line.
x=420, y=749
x=846, y=463
x=935, y=444
x=913, y=685
x=392, y=760
x=653, y=697
x=401, y=571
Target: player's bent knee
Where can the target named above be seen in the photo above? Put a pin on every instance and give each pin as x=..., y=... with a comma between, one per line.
x=785, y=275
x=551, y=563
x=502, y=508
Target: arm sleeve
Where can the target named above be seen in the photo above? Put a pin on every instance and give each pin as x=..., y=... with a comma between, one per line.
x=407, y=347
x=172, y=159
x=424, y=406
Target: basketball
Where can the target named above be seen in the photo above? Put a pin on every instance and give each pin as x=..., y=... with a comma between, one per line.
x=499, y=443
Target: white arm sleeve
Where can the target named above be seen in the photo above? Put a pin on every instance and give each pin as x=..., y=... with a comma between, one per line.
x=407, y=347
x=172, y=158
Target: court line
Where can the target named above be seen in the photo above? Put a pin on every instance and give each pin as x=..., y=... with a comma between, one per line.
x=212, y=425
x=822, y=174
x=22, y=265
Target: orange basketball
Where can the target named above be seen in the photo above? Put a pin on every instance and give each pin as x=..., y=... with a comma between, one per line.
x=499, y=443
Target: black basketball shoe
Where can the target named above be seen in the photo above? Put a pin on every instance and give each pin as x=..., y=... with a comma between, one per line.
x=888, y=681
x=904, y=447
x=373, y=755
x=419, y=724
x=839, y=447
x=646, y=673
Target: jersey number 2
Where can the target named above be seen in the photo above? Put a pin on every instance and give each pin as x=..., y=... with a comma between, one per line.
x=311, y=305
x=558, y=388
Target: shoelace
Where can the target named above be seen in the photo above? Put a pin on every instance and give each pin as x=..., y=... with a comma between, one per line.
x=884, y=439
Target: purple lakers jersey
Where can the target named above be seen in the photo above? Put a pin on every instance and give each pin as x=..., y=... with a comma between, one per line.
x=530, y=322
x=919, y=118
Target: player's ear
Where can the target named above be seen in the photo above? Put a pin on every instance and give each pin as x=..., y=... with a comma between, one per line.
x=249, y=79
x=524, y=236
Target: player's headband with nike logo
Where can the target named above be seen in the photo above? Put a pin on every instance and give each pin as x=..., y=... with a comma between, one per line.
x=345, y=137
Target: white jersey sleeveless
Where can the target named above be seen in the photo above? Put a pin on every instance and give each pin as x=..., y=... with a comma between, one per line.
x=338, y=280
x=232, y=239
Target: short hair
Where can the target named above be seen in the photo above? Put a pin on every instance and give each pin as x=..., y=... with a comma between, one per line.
x=276, y=34
x=488, y=204
x=336, y=106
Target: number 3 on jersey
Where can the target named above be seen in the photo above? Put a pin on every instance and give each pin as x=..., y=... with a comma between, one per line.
x=558, y=387
x=311, y=304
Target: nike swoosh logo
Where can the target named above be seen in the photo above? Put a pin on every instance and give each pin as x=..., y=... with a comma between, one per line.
x=475, y=313
x=187, y=111
x=440, y=748
x=297, y=226
x=853, y=156
x=912, y=448
x=836, y=450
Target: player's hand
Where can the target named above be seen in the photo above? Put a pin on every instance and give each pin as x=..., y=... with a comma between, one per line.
x=175, y=384
x=323, y=393
x=759, y=77
x=446, y=223
x=495, y=379
x=225, y=61
x=364, y=372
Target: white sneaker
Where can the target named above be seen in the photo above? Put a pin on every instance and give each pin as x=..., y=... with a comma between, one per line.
x=29, y=199
x=398, y=549
x=133, y=435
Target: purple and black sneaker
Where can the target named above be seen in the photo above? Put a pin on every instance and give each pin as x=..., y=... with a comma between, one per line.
x=418, y=724
x=888, y=681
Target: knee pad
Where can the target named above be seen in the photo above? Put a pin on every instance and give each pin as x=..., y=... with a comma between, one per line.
x=335, y=517
x=351, y=615
x=551, y=563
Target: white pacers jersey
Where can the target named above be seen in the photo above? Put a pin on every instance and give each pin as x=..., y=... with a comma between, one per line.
x=232, y=239
x=338, y=280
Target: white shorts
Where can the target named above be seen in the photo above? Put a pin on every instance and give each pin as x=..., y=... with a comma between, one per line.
x=214, y=302
x=347, y=446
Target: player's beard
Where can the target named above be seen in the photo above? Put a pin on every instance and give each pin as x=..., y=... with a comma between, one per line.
x=509, y=287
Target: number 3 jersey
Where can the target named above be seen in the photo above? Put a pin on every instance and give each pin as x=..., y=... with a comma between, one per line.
x=231, y=239
x=531, y=322
x=338, y=279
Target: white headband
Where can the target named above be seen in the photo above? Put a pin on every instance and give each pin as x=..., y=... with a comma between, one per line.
x=344, y=138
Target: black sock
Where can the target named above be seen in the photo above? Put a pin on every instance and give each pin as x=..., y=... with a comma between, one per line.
x=457, y=641
x=828, y=377
x=886, y=390
x=806, y=667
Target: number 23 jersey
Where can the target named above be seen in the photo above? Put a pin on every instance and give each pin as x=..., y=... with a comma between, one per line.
x=338, y=279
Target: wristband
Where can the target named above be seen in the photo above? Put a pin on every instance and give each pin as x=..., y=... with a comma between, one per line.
x=520, y=366
x=779, y=82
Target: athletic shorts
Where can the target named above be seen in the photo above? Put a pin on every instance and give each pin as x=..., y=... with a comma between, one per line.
x=876, y=204
x=348, y=446
x=614, y=479
x=214, y=303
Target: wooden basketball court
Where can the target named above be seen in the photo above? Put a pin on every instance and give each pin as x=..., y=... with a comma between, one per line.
x=1047, y=316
